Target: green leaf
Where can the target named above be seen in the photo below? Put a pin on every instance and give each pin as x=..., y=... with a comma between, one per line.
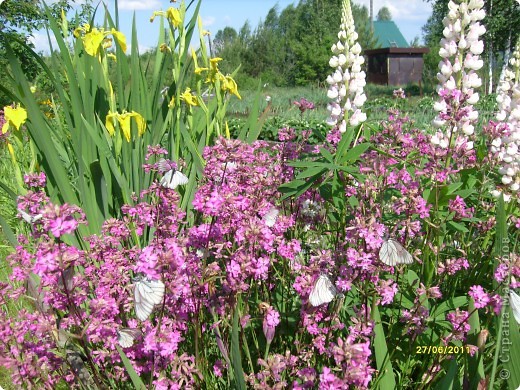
x=236, y=360
x=465, y=193
x=511, y=352
x=451, y=188
x=136, y=380
x=9, y=192
x=450, y=382
x=8, y=232
x=439, y=311
x=412, y=278
x=457, y=226
x=475, y=363
x=386, y=378
x=338, y=193
x=328, y=155
x=312, y=171
x=295, y=188
x=354, y=153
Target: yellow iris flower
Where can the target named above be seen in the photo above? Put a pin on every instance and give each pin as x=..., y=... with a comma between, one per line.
x=172, y=14
x=231, y=86
x=124, y=123
x=120, y=38
x=82, y=29
x=15, y=117
x=188, y=98
x=93, y=40
x=213, y=71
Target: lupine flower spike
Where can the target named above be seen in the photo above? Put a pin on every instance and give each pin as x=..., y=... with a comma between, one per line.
x=347, y=82
x=506, y=146
x=460, y=51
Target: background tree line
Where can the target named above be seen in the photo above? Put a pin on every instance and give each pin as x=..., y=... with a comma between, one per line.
x=291, y=47
x=288, y=48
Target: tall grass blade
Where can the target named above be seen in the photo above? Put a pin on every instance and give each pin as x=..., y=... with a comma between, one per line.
x=236, y=359
x=8, y=232
x=450, y=381
x=499, y=247
x=386, y=378
x=136, y=380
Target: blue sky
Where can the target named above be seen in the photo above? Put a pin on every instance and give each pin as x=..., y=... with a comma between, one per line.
x=410, y=16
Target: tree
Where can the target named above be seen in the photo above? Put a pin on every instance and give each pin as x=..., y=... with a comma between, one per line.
x=384, y=14
x=18, y=21
x=292, y=47
x=224, y=38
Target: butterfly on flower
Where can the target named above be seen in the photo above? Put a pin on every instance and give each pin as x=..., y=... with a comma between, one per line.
x=323, y=291
x=271, y=216
x=127, y=336
x=514, y=301
x=28, y=217
x=172, y=177
x=147, y=293
x=393, y=253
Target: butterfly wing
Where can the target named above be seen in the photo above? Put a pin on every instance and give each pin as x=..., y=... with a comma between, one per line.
x=393, y=253
x=163, y=165
x=29, y=218
x=179, y=179
x=271, y=216
x=173, y=178
x=127, y=336
x=323, y=291
x=514, y=300
x=167, y=178
x=147, y=294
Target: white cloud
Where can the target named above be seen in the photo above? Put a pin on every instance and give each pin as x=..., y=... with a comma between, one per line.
x=133, y=5
x=141, y=48
x=208, y=21
x=41, y=42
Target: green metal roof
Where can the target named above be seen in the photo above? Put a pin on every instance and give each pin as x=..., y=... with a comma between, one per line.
x=388, y=35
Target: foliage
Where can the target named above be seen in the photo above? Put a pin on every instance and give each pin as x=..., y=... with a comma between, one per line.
x=18, y=21
x=384, y=14
x=368, y=254
x=290, y=47
x=108, y=172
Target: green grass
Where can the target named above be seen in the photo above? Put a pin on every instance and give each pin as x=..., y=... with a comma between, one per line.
x=281, y=111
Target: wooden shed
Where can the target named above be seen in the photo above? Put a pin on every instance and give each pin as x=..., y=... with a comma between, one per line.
x=394, y=62
x=395, y=65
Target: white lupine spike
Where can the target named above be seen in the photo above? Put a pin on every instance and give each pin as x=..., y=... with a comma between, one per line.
x=460, y=50
x=506, y=147
x=347, y=64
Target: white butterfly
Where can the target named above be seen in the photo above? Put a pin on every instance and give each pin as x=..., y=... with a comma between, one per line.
x=514, y=301
x=323, y=291
x=147, y=294
x=173, y=178
x=393, y=253
x=29, y=218
x=270, y=217
x=127, y=336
